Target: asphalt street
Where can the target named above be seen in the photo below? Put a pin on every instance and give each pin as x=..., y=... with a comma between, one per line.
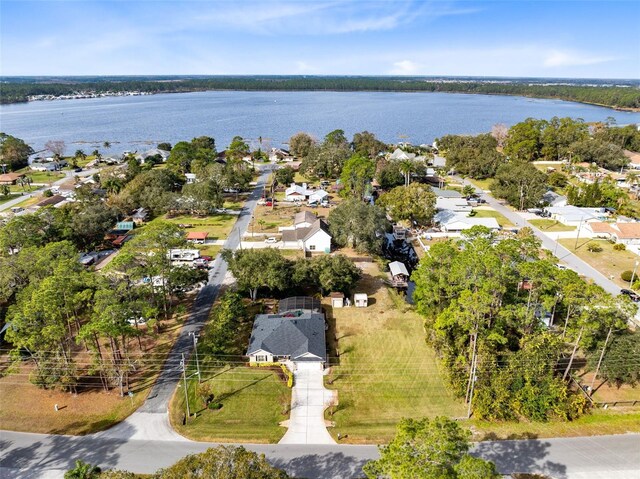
x=158, y=399
x=558, y=250
x=27, y=455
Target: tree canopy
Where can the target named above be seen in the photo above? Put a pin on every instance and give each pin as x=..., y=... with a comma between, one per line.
x=415, y=203
x=521, y=184
x=359, y=225
x=14, y=152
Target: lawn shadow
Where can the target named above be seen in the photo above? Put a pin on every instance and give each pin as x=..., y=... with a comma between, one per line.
x=520, y=456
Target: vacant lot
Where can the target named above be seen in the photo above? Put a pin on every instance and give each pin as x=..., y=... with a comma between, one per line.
x=551, y=225
x=267, y=219
x=609, y=262
x=385, y=371
x=44, y=177
x=26, y=407
x=218, y=226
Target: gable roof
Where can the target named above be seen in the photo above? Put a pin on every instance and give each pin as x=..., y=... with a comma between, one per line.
x=294, y=336
x=400, y=154
x=197, y=235
x=52, y=200
x=628, y=230
x=317, y=226
x=397, y=268
x=304, y=217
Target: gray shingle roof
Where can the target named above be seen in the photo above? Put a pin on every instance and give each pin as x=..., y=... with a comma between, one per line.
x=304, y=217
x=293, y=336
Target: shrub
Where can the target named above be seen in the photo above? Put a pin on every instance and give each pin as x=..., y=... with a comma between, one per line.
x=619, y=247
x=594, y=247
x=47, y=193
x=626, y=276
x=215, y=406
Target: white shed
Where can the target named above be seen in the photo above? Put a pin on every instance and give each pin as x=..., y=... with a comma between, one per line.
x=337, y=300
x=360, y=300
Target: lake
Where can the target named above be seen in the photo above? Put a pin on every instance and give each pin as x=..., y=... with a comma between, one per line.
x=139, y=122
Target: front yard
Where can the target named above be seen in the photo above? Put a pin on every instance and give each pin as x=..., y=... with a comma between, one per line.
x=385, y=371
x=609, y=262
x=487, y=212
x=218, y=226
x=551, y=225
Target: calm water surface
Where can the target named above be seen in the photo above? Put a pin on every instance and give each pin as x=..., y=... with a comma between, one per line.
x=135, y=123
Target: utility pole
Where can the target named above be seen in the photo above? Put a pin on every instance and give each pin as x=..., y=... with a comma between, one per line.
x=633, y=275
x=195, y=348
x=184, y=377
x=575, y=247
x=472, y=385
x=604, y=347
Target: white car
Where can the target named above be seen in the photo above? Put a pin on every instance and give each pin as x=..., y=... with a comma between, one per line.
x=134, y=321
x=271, y=240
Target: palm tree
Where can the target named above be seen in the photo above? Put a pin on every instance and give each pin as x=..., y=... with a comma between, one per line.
x=633, y=179
x=407, y=167
x=83, y=470
x=107, y=145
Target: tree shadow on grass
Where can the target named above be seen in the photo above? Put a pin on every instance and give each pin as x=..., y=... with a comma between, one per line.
x=524, y=456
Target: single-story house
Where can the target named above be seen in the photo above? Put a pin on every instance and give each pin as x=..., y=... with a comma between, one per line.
x=551, y=198
x=296, y=192
x=297, y=336
x=440, y=193
x=337, y=300
x=574, y=215
x=313, y=238
x=453, y=204
x=48, y=165
x=112, y=159
x=318, y=196
x=197, y=237
x=439, y=161
x=634, y=159
x=10, y=178
x=360, y=300
x=626, y=233
x=451, y=221
x=55, y=201
x=142, y=157
x=399, y=274
x=280, y=154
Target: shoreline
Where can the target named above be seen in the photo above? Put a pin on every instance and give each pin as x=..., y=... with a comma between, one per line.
x=95, y=95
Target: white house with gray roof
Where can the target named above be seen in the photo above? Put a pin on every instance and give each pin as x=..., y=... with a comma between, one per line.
x=293, y=335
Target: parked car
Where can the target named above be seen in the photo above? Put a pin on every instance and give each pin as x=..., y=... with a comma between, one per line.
x=633, y=296
x=271, y=240
x=206, y=258
x=200, y=263
x=268, y=203
x=77, y=170
x=134, y=321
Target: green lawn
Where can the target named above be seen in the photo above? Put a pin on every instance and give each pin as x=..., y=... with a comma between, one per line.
x=502, y=221
x=609, y=262
x=551, y=225
x=482, y=184
x=42, y=176
x=386, y=370
x=9, y=197
x=253, y=402
x=218, y=226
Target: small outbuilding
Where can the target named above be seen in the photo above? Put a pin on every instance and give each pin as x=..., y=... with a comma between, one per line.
x=337, y=300
x=360, y=300
x=198, y=237
x=399, y=274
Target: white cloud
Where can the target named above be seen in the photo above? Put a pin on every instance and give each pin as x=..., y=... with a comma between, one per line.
x=404, y=67
x=558, y=58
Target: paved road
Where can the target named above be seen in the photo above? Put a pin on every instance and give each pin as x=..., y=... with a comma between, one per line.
x=39, y=456
x=558, y=250
x=69, y=174
x=158, y=400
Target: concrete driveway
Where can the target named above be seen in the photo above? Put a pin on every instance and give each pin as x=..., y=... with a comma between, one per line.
x=309, y=399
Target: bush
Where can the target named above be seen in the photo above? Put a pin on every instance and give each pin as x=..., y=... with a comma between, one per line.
x=619, y=247
x=47, y=193
x=626, y=276
x=215, y=406
x=594, y=247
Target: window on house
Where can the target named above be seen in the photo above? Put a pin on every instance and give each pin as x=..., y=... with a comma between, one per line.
x=312, y=247
x=261, y=358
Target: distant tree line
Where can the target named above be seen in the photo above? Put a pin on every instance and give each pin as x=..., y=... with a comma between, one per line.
x=612, y=96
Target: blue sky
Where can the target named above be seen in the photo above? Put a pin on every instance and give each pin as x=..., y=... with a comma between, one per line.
x=599, y=39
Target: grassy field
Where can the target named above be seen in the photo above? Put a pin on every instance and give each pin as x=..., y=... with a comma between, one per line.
x=42, y=176
x=609, y=262
x=267, y=219
x=386, y=371
x=26, y=407
x=254, y=401
x=551, y=225
x=218, y=226
x=9, y=197
x=490, y=213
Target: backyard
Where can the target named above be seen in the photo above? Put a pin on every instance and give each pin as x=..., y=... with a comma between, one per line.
x=385, y=371
x=486, y=212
